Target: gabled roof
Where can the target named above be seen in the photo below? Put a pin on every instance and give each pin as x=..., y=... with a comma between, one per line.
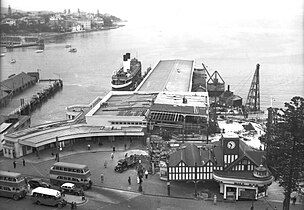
x=255, y=156
x=190, y=155
x=218, y=153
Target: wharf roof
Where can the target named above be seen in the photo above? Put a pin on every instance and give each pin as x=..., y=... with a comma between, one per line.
x=182, y=102
x=17, y=81
x=38, y=136
x=169, y=75
x=179, y=109
x=125, y=104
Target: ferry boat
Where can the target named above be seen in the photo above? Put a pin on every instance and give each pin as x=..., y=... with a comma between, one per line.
x=128, y=76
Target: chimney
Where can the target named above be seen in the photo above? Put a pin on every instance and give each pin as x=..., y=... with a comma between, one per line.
x=124, y=63
x=128, y=55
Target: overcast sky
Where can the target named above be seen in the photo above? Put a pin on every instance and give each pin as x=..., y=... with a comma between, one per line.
x=177, y=10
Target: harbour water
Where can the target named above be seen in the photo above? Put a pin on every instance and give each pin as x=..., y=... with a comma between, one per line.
x=233, y=52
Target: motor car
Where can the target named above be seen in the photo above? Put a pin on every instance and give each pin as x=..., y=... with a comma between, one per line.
x=71, y=189
x=34, y=183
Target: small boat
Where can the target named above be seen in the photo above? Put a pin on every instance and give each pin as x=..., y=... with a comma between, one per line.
x=13, y=61
x=73, y=50
x=38, y=51
x=2, y=55
x=68, y=46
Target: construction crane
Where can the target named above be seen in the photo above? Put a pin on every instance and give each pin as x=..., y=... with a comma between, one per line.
x=253, y=98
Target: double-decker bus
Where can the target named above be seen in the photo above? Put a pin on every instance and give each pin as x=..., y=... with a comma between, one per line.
x=62, y=172
x=12, y=185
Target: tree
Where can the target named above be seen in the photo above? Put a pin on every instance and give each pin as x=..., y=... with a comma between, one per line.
x=284, y=141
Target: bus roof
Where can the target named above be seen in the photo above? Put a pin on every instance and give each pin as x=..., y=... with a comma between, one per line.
x=46, y=191
x=9, y=174
x=70, y=165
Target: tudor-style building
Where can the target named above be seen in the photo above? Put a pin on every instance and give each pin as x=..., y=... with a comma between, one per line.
x=237, y=167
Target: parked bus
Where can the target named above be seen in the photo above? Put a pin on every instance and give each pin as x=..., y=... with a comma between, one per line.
x=61, y=173
x=47, y=196
x=12, y=185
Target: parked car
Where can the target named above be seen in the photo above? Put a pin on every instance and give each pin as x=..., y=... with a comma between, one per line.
x=71, y=189
x=34, y=183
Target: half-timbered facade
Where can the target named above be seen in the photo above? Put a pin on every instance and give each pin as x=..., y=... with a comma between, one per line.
x=237, y=167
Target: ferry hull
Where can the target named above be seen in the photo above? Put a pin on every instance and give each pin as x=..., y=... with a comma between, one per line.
x=126, y=87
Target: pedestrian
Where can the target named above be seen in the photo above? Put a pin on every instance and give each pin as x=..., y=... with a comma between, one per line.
x=23, y=162
x=113, y=148
x=105, y=164
x=112, y=155
x=14, y=163
x=294, y=199
x=129, y=180
x=146, y=174
x=126, y=155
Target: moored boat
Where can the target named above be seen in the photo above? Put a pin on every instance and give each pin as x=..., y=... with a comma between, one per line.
x=73, y=50
x=128, y=76
x=38, y=51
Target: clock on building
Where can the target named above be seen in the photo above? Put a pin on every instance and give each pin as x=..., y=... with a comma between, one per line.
x=231, y=145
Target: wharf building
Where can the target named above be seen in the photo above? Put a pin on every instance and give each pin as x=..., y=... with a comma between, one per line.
x=16, y=84
x=163, y=100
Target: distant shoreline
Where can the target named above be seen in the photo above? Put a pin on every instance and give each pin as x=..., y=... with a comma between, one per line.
x=49, y=35
x=52, y=35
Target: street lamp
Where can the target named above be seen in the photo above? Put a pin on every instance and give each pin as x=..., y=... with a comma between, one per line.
x=57, y=149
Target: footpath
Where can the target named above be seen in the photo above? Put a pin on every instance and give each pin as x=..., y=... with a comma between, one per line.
x=152, y=186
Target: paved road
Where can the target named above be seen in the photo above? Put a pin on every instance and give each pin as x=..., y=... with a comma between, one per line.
x=121, y=199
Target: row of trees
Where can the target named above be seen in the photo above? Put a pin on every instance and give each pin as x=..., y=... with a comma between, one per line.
x=284, y=141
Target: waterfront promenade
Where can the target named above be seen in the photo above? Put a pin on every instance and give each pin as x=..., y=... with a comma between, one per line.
x=154, y=190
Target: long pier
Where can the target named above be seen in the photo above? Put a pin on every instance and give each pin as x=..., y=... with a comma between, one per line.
x=169, y=75
x=31, y=98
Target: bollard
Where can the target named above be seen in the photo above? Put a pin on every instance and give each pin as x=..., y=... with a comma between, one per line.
x=214, y=200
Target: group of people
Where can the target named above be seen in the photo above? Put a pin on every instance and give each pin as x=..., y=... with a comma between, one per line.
x=15, y=163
